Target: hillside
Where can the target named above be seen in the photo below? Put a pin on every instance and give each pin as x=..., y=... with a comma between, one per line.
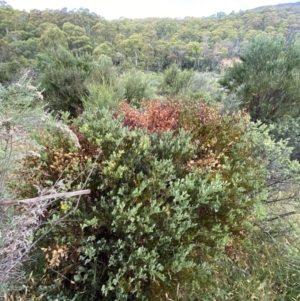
x=148, y=44
x=280, y=5
x=135, y=166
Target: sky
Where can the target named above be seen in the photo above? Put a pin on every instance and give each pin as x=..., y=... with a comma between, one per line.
x=115, y=9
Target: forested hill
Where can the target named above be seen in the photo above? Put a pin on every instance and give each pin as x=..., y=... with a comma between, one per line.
x=280, y=5
x=147, y=44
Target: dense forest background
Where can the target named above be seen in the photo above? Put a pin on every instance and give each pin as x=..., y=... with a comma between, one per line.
x=148, y=44
x=150, y=159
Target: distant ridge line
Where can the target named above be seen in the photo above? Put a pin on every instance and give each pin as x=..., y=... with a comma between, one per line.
x=277, y=5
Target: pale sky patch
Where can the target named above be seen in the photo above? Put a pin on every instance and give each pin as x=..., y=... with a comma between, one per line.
x=114, y=9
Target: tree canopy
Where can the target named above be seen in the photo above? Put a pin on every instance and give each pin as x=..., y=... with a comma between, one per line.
x=267, y=78
x=150, y=44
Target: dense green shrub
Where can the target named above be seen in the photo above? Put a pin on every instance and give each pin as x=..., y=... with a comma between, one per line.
x=164, y=203
x=104, y=86
x=103, y=73
x=108, y=90
x=63, y=77
x=137, y=86
x=102, y=96
x=267, y=78
x=176, y=81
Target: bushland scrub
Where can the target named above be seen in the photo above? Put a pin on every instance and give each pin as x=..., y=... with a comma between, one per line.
x=191, y=197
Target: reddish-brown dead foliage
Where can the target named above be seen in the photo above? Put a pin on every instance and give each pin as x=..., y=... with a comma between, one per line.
x=155, y=116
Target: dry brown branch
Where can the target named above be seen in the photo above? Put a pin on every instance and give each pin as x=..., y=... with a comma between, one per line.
x=46, y=197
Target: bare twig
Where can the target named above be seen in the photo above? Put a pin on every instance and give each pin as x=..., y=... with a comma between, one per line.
x=46, y=197
x=281, y=215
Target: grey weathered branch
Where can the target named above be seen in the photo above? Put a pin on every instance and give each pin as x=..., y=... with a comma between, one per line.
x=46, y=197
